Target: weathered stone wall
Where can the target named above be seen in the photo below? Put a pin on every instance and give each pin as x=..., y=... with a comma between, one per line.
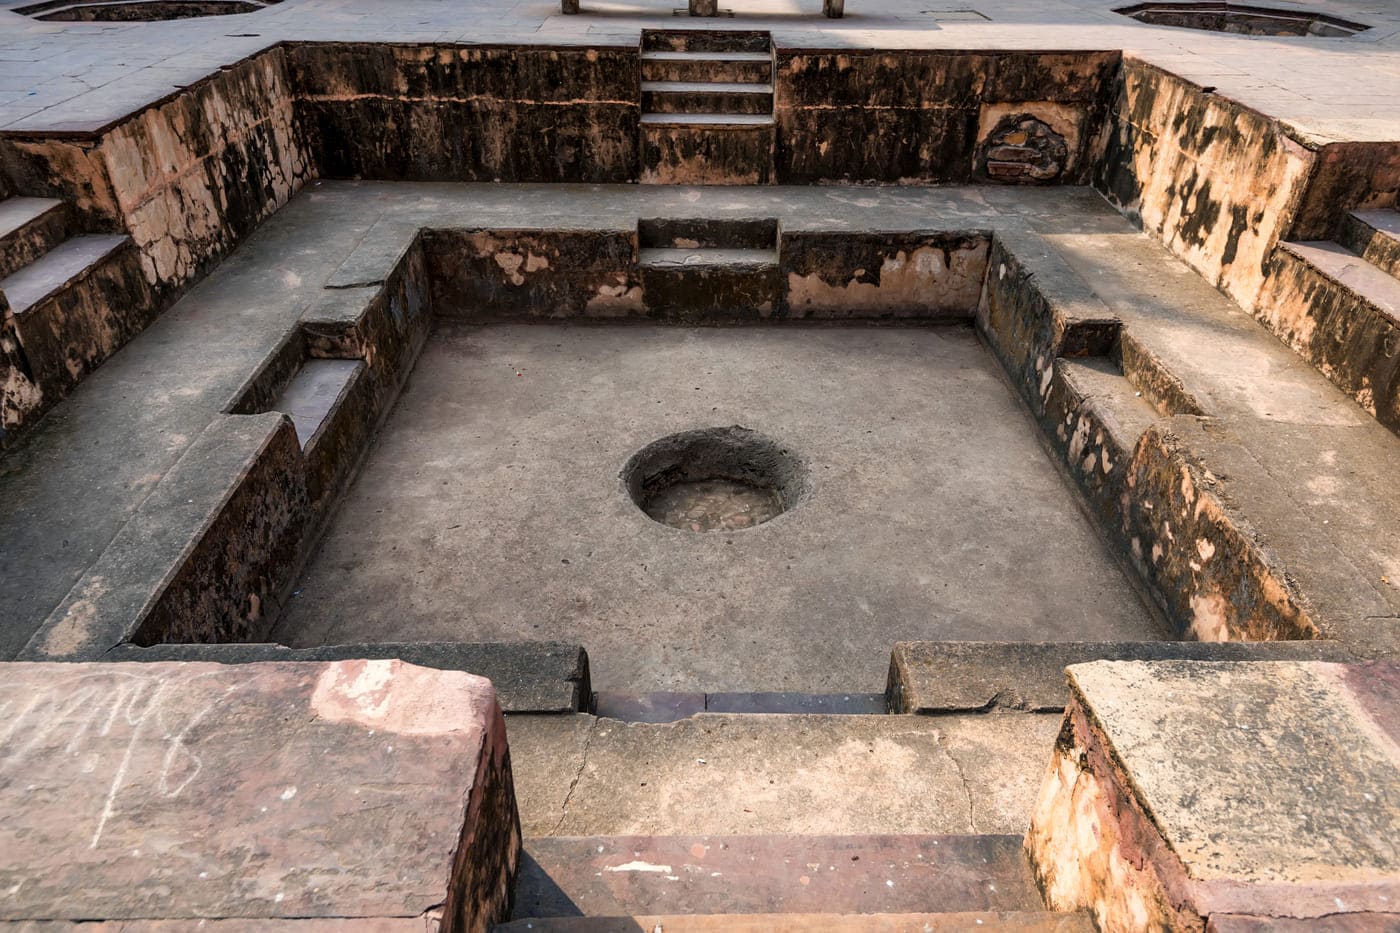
x=1203, y=563
x=1347, y=177
x=188, y=177
x=1216, y=182
x=871, y=276
x=514, y=275
x=920, y=117
x=478, y=113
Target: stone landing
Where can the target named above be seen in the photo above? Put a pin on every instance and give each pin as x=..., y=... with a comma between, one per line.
x=1243, y=796
x=353, y=792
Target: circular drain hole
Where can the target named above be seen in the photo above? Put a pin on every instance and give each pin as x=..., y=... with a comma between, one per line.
x=715, y=479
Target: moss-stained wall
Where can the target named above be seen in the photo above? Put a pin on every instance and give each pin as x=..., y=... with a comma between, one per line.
x=1216, y=182
x=919, y=117
x=478, y=113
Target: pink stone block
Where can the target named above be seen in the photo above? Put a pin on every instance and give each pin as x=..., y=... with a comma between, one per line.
x=369, y=790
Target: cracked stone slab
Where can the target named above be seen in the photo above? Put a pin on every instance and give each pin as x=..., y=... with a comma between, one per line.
x=802, y=774
x=1185, y=790
x=188, y=791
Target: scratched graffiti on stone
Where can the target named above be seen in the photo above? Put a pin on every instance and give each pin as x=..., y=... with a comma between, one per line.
x=108, y=728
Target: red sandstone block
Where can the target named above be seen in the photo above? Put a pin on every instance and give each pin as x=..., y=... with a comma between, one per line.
x=366, y=790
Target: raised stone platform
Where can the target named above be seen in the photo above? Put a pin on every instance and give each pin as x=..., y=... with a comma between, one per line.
x=365, y=791
x=1182, y=792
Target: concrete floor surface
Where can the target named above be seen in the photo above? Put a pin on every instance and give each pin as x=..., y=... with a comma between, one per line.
x=491, y=509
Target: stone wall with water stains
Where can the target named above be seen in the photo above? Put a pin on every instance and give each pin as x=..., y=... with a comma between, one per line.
x=477, y=113
x=1216, y=182
x=937, y=117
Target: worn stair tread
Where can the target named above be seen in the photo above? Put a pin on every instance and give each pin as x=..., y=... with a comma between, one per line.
x=768, y=874
x=706, y=87
x=1351, y=271
x=57, y=268
x=1098, y=378
x=313, y=393
x=17, y=213
x=1026, y=921
x=709, y=120
x=670, y=56
x=701, y=257
x=1386, y=222
x=1375, y=237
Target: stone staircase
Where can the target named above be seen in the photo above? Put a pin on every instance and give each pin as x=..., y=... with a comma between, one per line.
x=707, y=107
x=707, y=270
x=67, y=302
x=1338, y=304
x=779, y=822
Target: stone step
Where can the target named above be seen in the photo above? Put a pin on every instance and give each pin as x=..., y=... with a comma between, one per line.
x=313, y=395
x=1017, y=921
x=779, y=774
x=668, y=706
x=29, y=228
x=937, y=678
x=710, y=284
x=778, y=874
x=701, y=232
x=1009, y=921
x=322, y=402
x=710, y=121
x=1375, y=237
x=706, y=40
x=58, y=268
x=746, y=67
x=1342, y=314
x=707, y=148
x=706, y=97
x=706, y=258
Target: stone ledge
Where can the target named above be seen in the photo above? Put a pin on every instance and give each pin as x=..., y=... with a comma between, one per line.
x=961, y=677
x=1180, y=791
x=529, y=677
x=204, y=558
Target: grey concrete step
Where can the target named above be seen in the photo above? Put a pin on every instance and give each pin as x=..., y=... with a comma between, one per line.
x=705, y=258
x=706, y=97
x=1353, y=273
x=752, y=67
x=736, y=774
x=710, y=121
x=1375, y=237
x=710, y=284
x=602, y=876
x=938, y=678
x=1341, y=313
x=58, y=268
x=313, y=395
x=1127, y=413
x=29, y=228
x=1019, y=921
x=325, y=400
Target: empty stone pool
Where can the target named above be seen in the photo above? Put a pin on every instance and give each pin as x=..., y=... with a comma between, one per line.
x=493, y=507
